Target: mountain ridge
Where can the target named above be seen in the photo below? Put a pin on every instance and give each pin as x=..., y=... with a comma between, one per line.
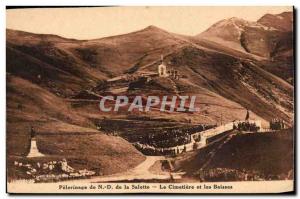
x=116, y=55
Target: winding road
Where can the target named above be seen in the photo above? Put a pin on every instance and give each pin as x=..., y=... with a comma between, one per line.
x=140, y=172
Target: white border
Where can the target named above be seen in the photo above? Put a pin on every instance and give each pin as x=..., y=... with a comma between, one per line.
x=4, y=3
x=151, y=2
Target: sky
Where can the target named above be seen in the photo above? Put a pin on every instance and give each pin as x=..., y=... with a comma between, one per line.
x=98, y=22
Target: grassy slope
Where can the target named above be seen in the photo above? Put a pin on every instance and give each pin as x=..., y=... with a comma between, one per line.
x=46, y=61
x=118, y=54
x=74, y=61
x=62, y=132
x=237, y=80
x=270, y=153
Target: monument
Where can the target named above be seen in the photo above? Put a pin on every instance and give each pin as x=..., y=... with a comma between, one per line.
x=34, y=151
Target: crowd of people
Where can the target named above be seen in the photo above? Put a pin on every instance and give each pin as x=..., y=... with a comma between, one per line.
x=246, y=126
x=277, y=124
x=152, y=151
x=172, y=137
x=169, y=139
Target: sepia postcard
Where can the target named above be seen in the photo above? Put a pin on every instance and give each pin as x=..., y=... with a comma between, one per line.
x=150, y=100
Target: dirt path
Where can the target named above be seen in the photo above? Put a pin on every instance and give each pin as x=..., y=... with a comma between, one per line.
x=140, y=172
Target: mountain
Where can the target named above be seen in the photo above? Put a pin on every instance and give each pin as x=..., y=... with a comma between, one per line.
x=228, y=32
x=258, y=38
x=54, y=84
x=118, y=54
x=268, y=41
x=283, y=53
x=81, y=64
x=66, y=67
x=282, y=21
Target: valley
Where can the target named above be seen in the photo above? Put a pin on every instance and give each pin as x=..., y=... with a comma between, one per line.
x=240, y=73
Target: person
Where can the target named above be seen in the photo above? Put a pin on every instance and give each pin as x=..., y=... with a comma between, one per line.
x=247, y=115
x=32, y=132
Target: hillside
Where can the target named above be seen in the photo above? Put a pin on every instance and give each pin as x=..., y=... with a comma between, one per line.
x=240, y=81
x=44, y=60
x=269, y=40
x=269, y=156
x=259, y=38
x=79, y=64
x=282, y=21
x=227, y=32
x=120, y=53
x=61, y=132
